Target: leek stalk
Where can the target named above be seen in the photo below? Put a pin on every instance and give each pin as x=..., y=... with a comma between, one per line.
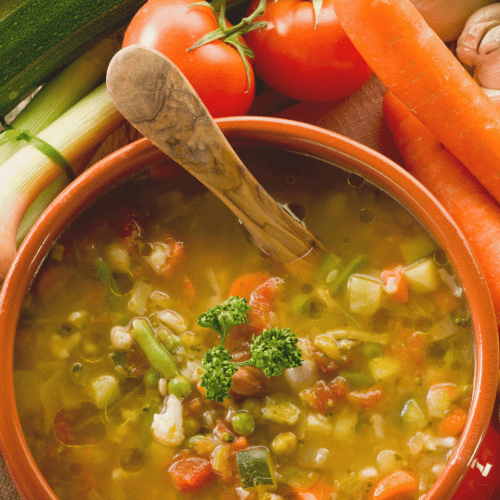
x=28, y=172
x=62, y=92
x=55, y=98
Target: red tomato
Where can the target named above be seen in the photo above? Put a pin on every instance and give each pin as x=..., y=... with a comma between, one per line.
x=302, y=62
x=215, y=70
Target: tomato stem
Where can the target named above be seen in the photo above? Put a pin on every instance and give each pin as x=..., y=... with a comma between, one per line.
x=231, y=35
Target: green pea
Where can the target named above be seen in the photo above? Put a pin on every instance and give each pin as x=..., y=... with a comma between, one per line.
x=151, y=377
x=243, y=423
x=179, y=386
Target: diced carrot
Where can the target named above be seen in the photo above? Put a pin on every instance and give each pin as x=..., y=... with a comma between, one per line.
x=413, y=348
x=240, y=443
x=245, y=284
x=320, y=490
x=454, y=423
x=188, y=290
x=192, y=473
x=444, y=300
x=398, y=485
x=395, y=285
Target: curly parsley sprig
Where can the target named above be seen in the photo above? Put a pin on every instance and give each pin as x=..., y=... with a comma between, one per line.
x=273, y=351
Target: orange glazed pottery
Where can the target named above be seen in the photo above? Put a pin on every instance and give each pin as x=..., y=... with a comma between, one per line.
x=287, y=135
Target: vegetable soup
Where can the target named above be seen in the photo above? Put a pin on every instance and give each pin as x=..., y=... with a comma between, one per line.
x=159, y=355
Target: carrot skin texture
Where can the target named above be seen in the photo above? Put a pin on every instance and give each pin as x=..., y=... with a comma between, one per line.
x=418, y=68
x=475, y=212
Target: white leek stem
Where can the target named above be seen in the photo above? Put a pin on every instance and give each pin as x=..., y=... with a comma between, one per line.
x=28, y=172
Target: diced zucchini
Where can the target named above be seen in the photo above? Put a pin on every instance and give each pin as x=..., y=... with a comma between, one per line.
x=384, y=367
x=440, y=398
x=365, y=294
x=327, y=344
x=279, y=410
x=412, y=416
x=358, y=380
x=255, y=468
x=417, y=247
x=422, y=276
x=105, y=390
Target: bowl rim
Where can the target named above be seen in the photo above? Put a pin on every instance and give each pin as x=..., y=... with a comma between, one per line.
x=288, y=134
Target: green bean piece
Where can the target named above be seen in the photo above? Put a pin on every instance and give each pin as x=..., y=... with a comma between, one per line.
x=341, y=279
x=243, y=423
x=159, y=358
x=179, y=386
x=328, y=264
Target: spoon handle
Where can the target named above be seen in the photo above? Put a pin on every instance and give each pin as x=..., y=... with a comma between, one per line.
x=156, y=98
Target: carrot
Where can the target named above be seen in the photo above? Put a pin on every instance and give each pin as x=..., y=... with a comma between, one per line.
x=454, y=423
x=240, y=443
x=417, y=67
x=320, y=490
x=245, y=284
x=189, y=474
x=473, y=209
x=397, y=485
x=395, y=285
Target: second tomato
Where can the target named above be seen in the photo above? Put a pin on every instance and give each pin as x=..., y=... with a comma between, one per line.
x=301, y=61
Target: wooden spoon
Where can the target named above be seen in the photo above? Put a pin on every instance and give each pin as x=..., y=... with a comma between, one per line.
x=156, y=98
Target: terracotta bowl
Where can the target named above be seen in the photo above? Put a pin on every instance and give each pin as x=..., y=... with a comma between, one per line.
x=254, y=132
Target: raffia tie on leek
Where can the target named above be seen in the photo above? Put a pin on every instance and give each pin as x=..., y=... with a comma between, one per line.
x=73, y=124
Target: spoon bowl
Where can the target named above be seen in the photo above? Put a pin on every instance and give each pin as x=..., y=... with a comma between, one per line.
x=156, y=98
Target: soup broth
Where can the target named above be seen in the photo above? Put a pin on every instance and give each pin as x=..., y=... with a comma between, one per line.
x=379, y=401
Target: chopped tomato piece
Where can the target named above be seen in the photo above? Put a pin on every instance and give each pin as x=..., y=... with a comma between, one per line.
x=366, y=399
x=328, y=365
x=323, y=397
x=263, y=302
x=175, y=258
x=192, y=473
x=394, y=284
